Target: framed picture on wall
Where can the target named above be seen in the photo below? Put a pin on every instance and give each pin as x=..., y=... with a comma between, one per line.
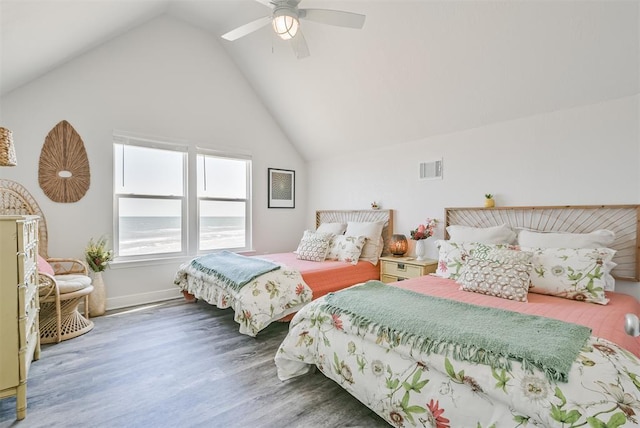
x=282, y=188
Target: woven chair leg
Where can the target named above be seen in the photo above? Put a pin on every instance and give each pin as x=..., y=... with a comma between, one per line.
x=72, y=323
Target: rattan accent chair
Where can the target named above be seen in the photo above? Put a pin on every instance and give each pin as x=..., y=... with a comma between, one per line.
x=66, y=283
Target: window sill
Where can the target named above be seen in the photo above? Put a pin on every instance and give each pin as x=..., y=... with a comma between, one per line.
x=156, y=261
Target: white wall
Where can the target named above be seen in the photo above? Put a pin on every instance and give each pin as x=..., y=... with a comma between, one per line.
x=586, y=155
x=164, y=79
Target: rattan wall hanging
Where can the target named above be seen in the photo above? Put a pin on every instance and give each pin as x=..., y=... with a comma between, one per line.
x=63, y=171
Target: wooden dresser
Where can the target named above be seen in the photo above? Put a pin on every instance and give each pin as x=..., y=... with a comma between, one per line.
x=19, y=306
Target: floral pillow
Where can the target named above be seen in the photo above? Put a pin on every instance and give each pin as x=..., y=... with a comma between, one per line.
x=451, y=257
x=572, y=273
x=499, y=272
x=373, y=232
x=346, y=248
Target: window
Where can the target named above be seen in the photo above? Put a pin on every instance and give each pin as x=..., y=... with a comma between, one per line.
x=223, y=206
x=154, y=214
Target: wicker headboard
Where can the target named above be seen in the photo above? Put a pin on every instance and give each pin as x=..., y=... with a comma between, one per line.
x=344, y=216
x=15, y=199
x=623, y=220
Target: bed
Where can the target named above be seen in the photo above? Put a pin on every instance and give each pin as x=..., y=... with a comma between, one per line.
x=277, y=294
x=441, y=382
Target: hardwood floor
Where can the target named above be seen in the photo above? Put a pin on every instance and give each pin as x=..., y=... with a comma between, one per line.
x=177, y=365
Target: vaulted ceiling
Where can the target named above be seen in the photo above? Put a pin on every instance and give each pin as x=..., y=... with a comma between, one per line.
x=416, y=69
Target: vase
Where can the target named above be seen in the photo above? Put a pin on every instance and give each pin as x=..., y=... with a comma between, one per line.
x=98, y=297
x=489, y=203
x=421, y=249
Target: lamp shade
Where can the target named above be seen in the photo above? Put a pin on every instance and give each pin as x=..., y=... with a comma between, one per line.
x=7, y=150
x=398, y=244
x=286, y=26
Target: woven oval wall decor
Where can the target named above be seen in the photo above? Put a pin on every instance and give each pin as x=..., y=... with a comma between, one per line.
x=63, y=170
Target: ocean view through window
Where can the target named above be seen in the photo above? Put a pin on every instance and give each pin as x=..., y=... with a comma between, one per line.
x=223, y=205
x=154, y=215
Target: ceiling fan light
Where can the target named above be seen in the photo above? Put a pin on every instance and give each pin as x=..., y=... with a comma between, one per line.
x=285, y=26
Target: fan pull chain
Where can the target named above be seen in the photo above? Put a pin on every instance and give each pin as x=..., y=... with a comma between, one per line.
x=204, y=171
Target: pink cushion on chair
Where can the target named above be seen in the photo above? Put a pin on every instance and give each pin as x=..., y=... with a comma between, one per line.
x=44, y=266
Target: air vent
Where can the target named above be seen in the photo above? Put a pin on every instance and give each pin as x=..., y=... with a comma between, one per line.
x=431, y=170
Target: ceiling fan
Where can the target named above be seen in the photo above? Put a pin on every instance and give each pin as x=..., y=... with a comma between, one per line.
x=285, y=18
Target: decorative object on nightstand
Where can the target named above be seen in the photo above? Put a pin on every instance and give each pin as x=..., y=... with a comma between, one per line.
x=375, y=206
x=7, y=149
x=488, y=201
x=420, y=234
x=98, y=258
x=398, y=245
x=394, y=269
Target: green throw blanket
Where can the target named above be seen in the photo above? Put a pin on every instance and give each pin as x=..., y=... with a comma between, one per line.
x=233, y=270
x=461, y=330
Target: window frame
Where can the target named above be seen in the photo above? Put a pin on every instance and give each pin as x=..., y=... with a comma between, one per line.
x=247, y=199
x=190, y=211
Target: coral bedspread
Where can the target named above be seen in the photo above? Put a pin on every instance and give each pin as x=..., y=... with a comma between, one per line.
x=277, y=294
x=409, y=388
x=329, y=275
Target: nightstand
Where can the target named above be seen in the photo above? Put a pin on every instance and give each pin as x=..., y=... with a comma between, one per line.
x=394, y=269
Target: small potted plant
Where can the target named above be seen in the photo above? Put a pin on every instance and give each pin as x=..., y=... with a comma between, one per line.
x=97, y=254
x=489, y=202
x=98, y=257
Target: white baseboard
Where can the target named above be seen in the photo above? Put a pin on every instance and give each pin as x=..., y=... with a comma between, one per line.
x=143, y=298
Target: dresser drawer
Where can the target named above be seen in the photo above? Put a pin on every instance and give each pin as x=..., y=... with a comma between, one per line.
x=26, y=299
x=29, y=232
x=401, y=269
x=31, y=312
x=31, y=278
x=390, y=278
x=27, y=266
x=32, y=344
x=28, y=323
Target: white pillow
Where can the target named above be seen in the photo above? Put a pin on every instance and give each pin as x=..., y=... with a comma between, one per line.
x=598, y=239
x=346, y=248
x=572, y=273
x=335, y=228
x=373, y=232
x=502, y=234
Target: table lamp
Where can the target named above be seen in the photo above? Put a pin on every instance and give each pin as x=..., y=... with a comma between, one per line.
x=398, y=245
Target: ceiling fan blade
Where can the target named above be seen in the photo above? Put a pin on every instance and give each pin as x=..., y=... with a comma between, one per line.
x=333, y=17
x=265, y=2
x=273, y=3
x=299, y=45
x=245, y=29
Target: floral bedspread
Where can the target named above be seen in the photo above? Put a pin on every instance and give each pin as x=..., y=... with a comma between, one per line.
x=408, y=388
x=265, y=299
